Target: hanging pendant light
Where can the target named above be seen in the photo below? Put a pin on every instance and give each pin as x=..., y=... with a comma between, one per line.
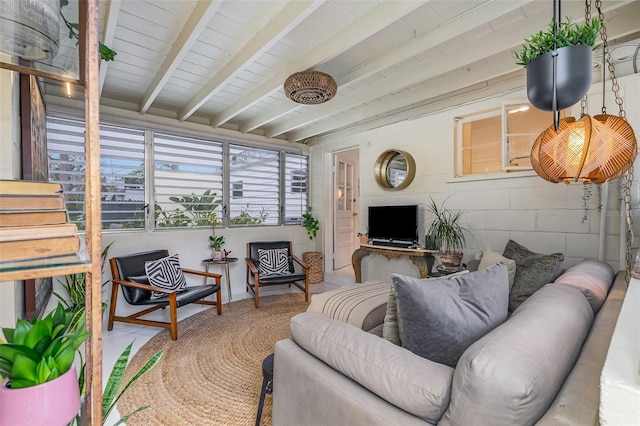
x=588, y=150
x=591, y=150
x=310, y=87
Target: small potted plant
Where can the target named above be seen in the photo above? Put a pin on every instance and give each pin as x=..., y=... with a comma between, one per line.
x=447, y=234
x=37, y=365
x=564, y=53
x=215, y=241
x=312, y=258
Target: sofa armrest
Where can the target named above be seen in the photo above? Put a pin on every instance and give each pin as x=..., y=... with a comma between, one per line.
x=412, y=383
x=309, y=392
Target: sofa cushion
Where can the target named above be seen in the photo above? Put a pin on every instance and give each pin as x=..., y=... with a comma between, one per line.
x=489, y=257
x=361, y=305
x=165, y=273
x=512, y=374
x=533, y=270
x=593, y=278
x=442, y=317
x=412, y=383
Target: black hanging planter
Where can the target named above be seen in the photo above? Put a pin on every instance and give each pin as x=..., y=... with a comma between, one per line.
x=573, y=70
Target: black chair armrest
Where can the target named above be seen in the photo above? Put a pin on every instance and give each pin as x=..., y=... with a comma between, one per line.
x=143, y=286
x=217, y=277
x=251, y=265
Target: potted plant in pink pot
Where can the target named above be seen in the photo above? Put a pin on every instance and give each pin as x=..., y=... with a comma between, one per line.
x=40, y=385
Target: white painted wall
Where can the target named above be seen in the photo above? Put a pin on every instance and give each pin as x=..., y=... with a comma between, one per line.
x=544, y=217
x=11, y=295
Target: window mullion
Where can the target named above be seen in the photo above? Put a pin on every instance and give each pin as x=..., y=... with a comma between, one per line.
x=149, y=182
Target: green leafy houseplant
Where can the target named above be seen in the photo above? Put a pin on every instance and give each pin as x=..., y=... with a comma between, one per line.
x=42, y=350
x=567, y=34
x=75, y=286
x=111, y=395
x=215, y=241
x=446, y=232
x=311, y=224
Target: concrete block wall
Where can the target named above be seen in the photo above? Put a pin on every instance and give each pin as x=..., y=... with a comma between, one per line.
x=545, y=217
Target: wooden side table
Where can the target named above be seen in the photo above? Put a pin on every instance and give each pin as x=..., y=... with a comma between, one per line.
x=226, y=262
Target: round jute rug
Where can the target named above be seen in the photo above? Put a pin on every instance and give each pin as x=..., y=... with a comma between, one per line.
x=212, y=375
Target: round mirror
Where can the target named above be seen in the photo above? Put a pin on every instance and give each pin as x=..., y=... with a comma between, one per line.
x=394, y=169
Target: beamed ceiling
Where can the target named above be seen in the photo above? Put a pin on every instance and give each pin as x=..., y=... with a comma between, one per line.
x=223, y=63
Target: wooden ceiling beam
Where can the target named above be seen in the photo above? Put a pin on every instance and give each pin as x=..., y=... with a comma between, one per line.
x=198, y=20
x=110, y=22
x=621, y=23
x=370, y=23
x=291, y=16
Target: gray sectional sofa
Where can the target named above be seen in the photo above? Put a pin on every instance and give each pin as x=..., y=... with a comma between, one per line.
x=541, y=366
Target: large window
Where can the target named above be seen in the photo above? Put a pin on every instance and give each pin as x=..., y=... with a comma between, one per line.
x=181, y=179
x=499, y=140
x=121, y=171
x=187, y=177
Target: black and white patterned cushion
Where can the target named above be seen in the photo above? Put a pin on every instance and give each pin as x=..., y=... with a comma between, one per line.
x=273, y=261
x=165, y=273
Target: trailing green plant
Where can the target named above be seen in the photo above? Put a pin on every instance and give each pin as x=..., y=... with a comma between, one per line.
x=446, y=232
x=42, y=350
x=111, y=394
x=567, y=34
x=106, y=53
x=311, y=224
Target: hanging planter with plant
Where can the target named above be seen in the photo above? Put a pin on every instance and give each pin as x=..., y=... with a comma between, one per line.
x=558, y=62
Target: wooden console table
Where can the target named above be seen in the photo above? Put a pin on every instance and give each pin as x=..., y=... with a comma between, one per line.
x=423, y=259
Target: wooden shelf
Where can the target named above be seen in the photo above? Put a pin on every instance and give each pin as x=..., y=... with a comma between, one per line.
x=43, y=268
x=12, y=271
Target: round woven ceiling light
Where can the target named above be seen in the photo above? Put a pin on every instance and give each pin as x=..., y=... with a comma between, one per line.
x=310, y=87
x=589, y=150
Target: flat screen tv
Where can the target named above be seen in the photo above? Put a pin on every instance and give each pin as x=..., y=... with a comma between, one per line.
x=398, y=223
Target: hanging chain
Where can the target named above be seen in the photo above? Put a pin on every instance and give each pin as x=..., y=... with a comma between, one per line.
x=627, y=210
x=629, y=180
x=607, y=54
x=587, y=18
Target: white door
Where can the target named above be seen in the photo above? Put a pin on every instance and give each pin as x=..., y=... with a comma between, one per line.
x=345, y=213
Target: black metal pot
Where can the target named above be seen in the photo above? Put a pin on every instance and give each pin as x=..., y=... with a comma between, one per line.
x=573, y=71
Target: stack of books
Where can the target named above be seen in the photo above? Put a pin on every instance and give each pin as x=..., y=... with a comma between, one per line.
x=34, y=223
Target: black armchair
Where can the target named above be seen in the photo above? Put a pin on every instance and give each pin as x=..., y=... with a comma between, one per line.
x=255, y=280
x=128, y=272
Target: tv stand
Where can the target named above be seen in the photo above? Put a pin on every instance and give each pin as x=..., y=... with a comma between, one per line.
x=423, y=259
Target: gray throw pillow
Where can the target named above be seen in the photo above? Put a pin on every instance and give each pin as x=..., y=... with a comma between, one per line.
x=442, y=317
x=392, y=327
x=533, y=271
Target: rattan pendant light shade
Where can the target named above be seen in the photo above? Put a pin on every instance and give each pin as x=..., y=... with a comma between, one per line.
x=310, y=87
x=589, y=150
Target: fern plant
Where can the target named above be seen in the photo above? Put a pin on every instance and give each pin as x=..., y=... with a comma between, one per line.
x=567, y=34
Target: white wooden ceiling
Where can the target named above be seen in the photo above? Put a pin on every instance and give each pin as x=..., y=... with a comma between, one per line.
x=224, y=62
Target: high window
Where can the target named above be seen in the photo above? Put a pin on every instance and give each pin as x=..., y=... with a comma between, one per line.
x=158, y=180
x=499, y=140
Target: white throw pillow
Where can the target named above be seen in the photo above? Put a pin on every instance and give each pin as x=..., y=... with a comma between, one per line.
x=165, y=273
x=273, y=261
x=490, y=257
